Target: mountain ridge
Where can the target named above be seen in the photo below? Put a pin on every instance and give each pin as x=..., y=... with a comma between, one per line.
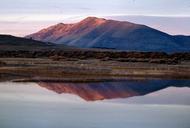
x=94, y=32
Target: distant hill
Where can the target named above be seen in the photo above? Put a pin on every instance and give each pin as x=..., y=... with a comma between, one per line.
x=18, y=41
x=95, y=32
x=8, y=42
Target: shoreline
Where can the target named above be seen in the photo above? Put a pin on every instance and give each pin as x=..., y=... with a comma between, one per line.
x=87, y=70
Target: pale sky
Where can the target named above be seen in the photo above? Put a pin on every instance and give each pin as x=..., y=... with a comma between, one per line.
x=22, y=17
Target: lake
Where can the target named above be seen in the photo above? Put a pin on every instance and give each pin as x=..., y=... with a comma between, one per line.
x=154, y=103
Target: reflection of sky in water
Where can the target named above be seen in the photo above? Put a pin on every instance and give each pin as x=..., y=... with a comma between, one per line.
x=32, y=92
x=29, y=105
x=171, y=95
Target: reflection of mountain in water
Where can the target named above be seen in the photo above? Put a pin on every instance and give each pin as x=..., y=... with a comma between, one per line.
x=111, y=90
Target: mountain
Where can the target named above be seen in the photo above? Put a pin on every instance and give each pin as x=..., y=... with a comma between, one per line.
x=95, y=32
x=112, y=90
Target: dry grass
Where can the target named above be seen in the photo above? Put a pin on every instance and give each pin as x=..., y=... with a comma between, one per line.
x=87, y=70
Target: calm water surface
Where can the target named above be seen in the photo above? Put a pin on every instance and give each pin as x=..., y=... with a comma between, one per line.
x=124, y=104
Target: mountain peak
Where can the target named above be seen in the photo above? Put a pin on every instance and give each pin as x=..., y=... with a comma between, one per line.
x=94, y=20
x=60, y=24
